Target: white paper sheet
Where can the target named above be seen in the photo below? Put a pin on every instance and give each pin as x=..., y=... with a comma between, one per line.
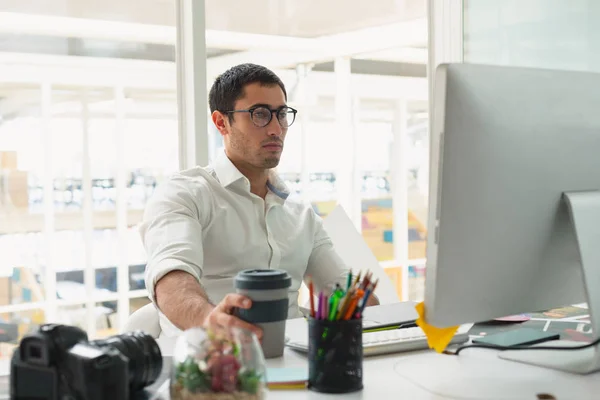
x=355, y=252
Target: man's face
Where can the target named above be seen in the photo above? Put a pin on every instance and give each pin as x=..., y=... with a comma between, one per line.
x=247, y=144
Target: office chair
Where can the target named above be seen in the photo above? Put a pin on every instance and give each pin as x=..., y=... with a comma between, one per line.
x=144, y=319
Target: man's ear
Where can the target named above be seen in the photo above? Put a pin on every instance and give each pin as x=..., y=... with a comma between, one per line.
x=221, y=121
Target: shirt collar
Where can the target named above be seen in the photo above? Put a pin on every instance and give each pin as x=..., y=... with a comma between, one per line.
x=277, y=186
x=227, y=173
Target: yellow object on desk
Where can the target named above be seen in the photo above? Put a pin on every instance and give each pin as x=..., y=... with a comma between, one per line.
x=437, y=338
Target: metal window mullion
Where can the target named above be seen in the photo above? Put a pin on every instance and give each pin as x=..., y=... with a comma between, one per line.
x=89, y=277
x=121, y=208
x=446, y=45
x=446, y=33
x=15, y=308
x=446, y=39
x=454, y=17
x=302, y=71
x=134, y=294
x=400, y=191
x=346, y=177
x=50, y=306
x=191, y=83
x=357, y=173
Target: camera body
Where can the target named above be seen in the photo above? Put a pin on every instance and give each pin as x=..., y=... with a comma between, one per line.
x=58, y=362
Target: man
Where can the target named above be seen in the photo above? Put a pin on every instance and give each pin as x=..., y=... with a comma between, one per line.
x=205, y=224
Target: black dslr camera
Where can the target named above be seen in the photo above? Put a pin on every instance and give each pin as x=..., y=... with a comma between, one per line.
x=58, y=362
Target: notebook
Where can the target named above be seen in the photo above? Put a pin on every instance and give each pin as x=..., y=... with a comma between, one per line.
x=287, y=378
x=390, y=316
x=386, y=316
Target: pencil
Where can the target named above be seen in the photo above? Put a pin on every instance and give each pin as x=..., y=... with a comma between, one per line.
x=367, y=294
x=349, y=281
x=365, y=283
x=375, y=284
x=311, y=291
x=357, y=278
x=320, y=309
x=353, y=304
x=344, y=306
x=334, y=305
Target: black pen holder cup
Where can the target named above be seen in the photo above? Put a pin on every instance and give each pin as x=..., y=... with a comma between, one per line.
x=335, y=356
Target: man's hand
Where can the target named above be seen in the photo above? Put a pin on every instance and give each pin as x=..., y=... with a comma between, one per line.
x=221, y=315
x=184, y=302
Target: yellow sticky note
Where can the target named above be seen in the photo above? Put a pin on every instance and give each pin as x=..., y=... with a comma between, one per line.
x=437, y=338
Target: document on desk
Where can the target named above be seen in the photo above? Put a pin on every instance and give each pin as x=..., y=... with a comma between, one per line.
x=355, y=252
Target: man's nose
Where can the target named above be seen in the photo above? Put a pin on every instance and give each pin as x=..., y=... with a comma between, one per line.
x=274, y=128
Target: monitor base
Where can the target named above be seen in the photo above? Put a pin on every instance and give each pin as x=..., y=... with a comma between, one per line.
x=583, y=361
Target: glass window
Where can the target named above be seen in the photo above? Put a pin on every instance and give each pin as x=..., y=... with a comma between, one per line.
x=80, y=155
x=560, y=34
x=314, y=162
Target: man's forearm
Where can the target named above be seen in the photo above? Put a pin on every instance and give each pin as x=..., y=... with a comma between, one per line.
x=182, y=300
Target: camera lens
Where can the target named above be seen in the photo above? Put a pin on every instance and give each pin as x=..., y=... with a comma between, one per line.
x=145, y=358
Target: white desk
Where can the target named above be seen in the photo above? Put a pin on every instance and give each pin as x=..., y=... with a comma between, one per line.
x=474, y=374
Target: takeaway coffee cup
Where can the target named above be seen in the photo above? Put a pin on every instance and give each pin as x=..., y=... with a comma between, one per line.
x=268, y=289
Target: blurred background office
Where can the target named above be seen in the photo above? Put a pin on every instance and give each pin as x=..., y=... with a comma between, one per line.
x=91, y=122
x=89, y=127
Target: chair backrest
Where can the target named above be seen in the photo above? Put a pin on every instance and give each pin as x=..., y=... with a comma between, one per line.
x=144, y=319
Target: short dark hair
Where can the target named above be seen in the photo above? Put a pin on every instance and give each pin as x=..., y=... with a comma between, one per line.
x=229, y=86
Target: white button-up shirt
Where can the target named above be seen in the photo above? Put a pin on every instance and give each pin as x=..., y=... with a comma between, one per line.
x=205, y=221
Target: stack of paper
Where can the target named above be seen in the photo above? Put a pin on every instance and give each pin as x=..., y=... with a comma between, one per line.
x=287, y=378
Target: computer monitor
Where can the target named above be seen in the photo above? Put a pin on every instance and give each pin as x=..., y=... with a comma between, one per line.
x=514, y=204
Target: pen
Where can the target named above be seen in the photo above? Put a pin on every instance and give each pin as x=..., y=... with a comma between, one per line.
x=330, y=305
x=311, y=291
x=320, y=309
x=334, y=305
x=364, y=301
x=349, y=281
x=367, y=294
x=342, y=304
x=357, y=278
x=365, y=283
x=344, y=307
x=392, y=327
x=375, y=285
x=353, y=304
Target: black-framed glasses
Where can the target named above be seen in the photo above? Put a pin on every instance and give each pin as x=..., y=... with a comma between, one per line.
x=261, y=116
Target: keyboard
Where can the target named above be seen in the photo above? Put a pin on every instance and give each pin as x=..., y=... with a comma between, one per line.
x=389, y=341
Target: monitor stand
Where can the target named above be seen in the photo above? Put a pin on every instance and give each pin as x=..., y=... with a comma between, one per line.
x=584, y=211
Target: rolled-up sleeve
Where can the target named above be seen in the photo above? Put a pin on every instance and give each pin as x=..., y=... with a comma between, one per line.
x=325, y=266
x=171, y=233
